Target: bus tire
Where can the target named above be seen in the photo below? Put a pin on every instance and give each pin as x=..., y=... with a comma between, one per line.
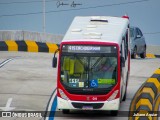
x=114, y=112
x=125, y=94
x=65, y=111
x=121, y=98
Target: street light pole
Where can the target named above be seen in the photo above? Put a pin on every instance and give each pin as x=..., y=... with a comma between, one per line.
x=44, y=17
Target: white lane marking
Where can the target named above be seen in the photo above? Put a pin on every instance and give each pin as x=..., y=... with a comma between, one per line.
x=7, y=60
x=7, y=107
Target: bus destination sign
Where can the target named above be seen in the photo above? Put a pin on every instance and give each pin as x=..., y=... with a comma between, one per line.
x=88, y=49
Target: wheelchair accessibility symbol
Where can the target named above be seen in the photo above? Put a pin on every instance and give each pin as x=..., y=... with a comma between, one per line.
x=94, y=83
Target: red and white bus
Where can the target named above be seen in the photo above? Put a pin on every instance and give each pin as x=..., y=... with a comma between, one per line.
x=93, y=64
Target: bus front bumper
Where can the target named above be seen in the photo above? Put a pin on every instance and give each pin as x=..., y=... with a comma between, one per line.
x=105, y=105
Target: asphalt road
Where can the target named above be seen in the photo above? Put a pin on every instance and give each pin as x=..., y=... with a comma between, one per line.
x=28, y=80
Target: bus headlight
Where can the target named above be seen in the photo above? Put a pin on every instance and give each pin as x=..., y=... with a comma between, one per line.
x=63, y=95
x=113, y=96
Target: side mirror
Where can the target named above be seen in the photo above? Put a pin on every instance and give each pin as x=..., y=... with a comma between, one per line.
x=54, y=62
x=138, y=36
x=122, y=62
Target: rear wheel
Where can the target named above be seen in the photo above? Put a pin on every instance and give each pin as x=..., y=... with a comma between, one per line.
x=134, y=53
x=65, y=111
x=143, y=55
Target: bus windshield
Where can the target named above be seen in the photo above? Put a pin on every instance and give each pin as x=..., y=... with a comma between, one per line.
x=89, y=67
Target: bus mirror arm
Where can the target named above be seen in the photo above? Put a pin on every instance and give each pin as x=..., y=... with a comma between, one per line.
x=54, y=62
x=122, y=62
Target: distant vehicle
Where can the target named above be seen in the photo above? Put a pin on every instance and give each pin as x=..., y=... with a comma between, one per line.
x=138, y=44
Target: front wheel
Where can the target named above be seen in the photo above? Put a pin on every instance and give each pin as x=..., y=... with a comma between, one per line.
x=143, y=55
x=134, y=53
x=125, y=95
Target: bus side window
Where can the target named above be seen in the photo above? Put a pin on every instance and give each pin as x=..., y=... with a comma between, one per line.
x=123, y=50
x=122, y=54
x=127, y=43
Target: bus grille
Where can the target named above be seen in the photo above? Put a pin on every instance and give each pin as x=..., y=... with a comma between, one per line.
x=94, y=105
x=100, y=91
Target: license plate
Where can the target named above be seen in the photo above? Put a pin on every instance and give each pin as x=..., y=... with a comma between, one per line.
x=87, y=107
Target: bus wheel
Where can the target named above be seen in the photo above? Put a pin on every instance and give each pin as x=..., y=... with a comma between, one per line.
x=65, y=111
x=125, y=95
x=114, y=112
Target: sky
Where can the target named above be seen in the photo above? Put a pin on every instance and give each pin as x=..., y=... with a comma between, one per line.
x=28, y=14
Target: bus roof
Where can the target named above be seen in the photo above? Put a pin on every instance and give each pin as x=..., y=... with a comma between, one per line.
x=97, y=28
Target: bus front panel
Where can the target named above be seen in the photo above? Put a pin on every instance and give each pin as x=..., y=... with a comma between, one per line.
x=88, y=70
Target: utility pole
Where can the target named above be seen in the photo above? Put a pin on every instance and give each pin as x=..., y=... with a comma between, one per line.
x=44, y=21
x=44, y=17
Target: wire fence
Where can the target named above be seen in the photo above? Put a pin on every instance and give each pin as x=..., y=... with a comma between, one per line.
x=20, y=35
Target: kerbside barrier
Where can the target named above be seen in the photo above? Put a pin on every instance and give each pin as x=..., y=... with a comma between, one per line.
x=150, y=55
x=33, y=46
x=145, y=104
x=28, y=46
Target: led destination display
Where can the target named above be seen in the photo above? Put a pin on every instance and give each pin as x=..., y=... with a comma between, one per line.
x=88, y=49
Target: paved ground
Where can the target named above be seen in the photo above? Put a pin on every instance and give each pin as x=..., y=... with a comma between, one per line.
x=153, y=49
x=29, y=80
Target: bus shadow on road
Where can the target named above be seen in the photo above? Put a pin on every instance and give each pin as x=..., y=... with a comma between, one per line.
x=90, y=114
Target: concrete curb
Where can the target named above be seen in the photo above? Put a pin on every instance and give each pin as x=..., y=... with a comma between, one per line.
x=28, y=46
x=146, y=101
x=33, y=46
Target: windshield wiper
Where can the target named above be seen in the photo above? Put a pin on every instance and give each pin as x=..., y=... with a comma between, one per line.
x=96, y=62
x=85, y=66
